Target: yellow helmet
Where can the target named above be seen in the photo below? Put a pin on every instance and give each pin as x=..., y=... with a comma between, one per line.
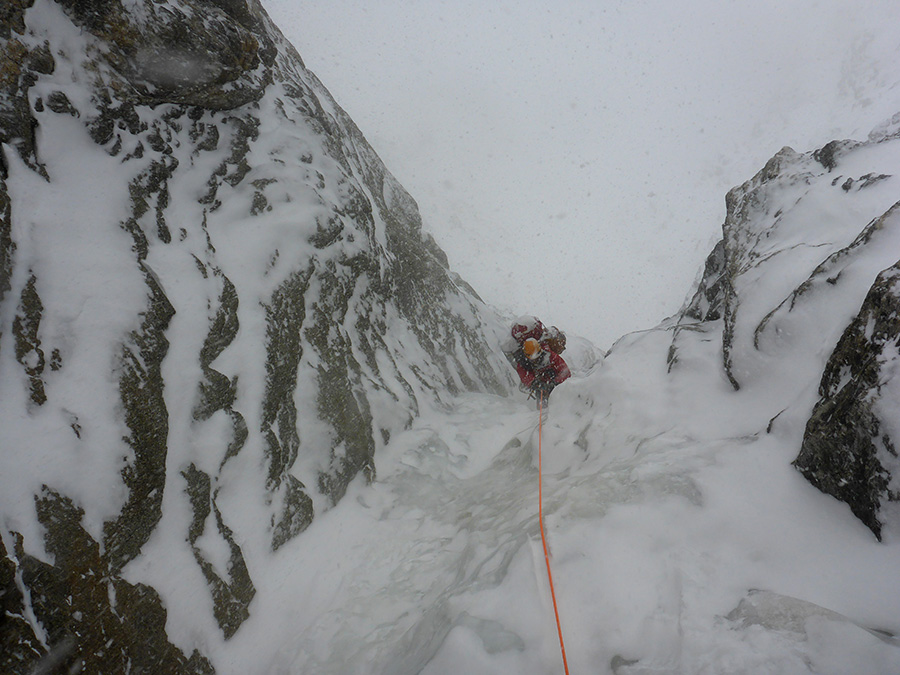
x=532, y=348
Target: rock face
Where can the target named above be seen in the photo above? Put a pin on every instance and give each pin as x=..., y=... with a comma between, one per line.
x=213, y=295
x=806, y=242
x=850, y=445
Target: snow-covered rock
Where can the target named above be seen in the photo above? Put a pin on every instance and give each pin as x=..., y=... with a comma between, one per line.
x=681, y=537
x=222, y=326
x=803, y=242
x=850, y=445
x=218, y=306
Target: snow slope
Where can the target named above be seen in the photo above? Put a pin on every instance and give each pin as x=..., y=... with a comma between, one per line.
x=659, y=527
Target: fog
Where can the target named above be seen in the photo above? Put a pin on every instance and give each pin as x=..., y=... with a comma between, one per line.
x=572, y=158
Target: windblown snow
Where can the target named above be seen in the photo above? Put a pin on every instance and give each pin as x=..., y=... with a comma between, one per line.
x=682, y=540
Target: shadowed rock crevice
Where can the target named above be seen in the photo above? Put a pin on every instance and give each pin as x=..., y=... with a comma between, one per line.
x=141, y=389
x=217, y=391
x=90, y=619
x=7, y=247
x=25, y=327
x=232, y=589
x=231, y=596
x=284, y=318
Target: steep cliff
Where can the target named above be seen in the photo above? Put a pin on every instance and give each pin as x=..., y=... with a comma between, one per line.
x=217, y=306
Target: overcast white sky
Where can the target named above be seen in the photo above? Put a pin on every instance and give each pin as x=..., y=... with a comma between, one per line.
x=572, y=156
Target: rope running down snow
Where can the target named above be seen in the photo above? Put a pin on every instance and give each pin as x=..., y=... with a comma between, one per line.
x=562, y=645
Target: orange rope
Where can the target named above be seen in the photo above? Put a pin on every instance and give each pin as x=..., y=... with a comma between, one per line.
x=562, y=645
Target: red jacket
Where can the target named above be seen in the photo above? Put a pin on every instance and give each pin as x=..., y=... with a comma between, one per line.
x=548, y=367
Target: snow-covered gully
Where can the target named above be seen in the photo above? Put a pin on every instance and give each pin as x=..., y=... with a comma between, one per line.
x=674, y=551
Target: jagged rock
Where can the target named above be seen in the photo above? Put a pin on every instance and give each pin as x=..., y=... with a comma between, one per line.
x=708, y=301
x=768, y=234
x=850, y=445
x=213, y=285
x=744, y=205
x=88, y=622
x=21, y=65
x=231, y=598
x=196, y=52
x=17, y=636
x=7, y=247
x=141, y=392
x=802, y=243
x=717, y=295
x=28, y=345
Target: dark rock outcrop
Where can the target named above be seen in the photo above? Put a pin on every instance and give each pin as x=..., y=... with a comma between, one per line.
x=849, y=448
x=89, y=622
x=209, y=53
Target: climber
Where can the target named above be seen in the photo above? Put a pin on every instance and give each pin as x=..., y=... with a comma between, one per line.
x=540, y=370
x=531, y=327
